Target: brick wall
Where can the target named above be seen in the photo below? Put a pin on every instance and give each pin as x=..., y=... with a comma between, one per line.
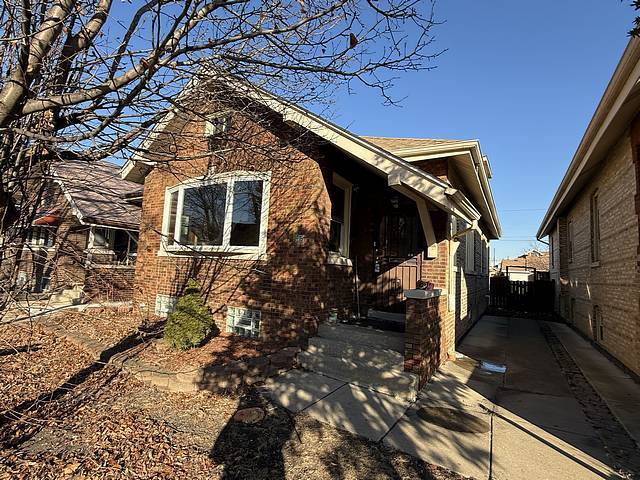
x=429, y=335
x=293, y=287
x=289, y=286
x=612, y=283
x=109, y=284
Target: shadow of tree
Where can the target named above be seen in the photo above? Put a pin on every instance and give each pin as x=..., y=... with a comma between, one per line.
x=284, y=445
x=12, y=433
x=254, y=450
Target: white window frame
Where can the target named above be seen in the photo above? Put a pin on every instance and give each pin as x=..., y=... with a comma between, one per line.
x=229, y=178
x=211, y=130
x=345, y=234
x=40, y=240
x=100, y=248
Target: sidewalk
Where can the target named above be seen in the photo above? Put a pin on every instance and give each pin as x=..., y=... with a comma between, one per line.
x=537, y=427
x=619, y=391
x=522, y=424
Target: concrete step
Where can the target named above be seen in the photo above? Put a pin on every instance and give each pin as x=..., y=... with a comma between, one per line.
x=363, y=336
x=375, y=357
x=386, y=316
x=399, y=384
x=68, y=295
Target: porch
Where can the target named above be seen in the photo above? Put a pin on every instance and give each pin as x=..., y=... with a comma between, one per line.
x=383, y=242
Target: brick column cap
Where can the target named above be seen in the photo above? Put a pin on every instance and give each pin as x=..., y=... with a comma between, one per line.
x=418, y=294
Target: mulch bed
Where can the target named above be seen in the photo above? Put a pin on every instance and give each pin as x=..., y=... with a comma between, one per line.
x=219, y=350
x=106, y=424
x=107, y=326
x=27, y=366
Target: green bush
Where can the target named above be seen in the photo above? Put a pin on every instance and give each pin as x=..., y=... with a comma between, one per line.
x=191, y=322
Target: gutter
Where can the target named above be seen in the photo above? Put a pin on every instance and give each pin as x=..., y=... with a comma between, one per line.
x=622, y=85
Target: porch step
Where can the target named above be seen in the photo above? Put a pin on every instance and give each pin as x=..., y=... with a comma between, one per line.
x=69, y=295
x=363, y=336
x=386, y=316
x=363, y=356
x=375, y=357
x=382, y=379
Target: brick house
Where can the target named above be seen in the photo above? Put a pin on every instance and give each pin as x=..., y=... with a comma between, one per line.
x=314, y=223
x=84, y=237
x=592, y=222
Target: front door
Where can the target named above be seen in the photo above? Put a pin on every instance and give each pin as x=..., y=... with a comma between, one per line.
x=398, y=259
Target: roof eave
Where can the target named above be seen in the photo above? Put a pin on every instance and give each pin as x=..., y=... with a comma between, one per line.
x=622, y=86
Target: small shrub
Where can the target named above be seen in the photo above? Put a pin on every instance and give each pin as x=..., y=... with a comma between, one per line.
x=191, y=322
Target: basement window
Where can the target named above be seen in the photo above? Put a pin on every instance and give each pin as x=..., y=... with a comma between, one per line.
x=165, y=304
x=243, y=321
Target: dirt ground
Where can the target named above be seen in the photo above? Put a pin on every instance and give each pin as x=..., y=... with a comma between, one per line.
x=92, y=421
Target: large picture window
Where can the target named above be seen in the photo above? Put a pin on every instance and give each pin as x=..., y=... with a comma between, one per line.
x=226, y=213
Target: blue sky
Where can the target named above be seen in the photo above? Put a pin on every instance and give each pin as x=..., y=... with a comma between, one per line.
x=522, y=77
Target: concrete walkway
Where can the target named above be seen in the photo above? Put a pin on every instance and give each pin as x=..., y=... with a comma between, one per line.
x=522, y=424
x=619, y=391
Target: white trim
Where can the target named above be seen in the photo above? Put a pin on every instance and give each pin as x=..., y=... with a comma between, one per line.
x=345, y=233
x=616, y=109
x=228, y=178
x=337, y=259
x=377, y=159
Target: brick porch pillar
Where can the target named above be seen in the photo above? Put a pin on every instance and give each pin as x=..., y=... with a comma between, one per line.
x=429, y=332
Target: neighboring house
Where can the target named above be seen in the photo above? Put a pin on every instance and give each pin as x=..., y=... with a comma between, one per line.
x=527, y=267
x=592, y=222
x=84, y=236
x=299, y=232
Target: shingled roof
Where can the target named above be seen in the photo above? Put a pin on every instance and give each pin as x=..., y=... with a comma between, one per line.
x=392, y=144
x=98, y=194
x=539, y=261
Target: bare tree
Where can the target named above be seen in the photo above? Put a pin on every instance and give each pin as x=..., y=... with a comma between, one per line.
x=87, y=79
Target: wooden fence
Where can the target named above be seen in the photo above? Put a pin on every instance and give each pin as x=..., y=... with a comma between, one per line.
x=536, y=296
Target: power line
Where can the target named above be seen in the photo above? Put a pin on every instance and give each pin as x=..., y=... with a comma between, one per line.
x=500, y=210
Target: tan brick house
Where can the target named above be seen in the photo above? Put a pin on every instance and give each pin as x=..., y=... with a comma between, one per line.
x=83, y=239
x=592, y=222
x=314, y=223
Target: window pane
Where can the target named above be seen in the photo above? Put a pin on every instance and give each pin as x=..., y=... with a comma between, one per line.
x=100, y=237
x=173, y=211
x=247, y=207
x=335, y=236
x=203, y=215
x=49, y=237
x=337, y=203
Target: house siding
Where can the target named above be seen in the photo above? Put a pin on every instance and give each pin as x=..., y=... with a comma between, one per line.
x=293, y=287
x=289, y=286
x=612, y=283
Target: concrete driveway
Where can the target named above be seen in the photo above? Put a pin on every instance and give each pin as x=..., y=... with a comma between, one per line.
x=522, y=424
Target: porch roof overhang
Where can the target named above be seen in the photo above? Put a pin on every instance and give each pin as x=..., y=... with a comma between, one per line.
x=618, y=106
x=472, y=166
x=400, y=174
